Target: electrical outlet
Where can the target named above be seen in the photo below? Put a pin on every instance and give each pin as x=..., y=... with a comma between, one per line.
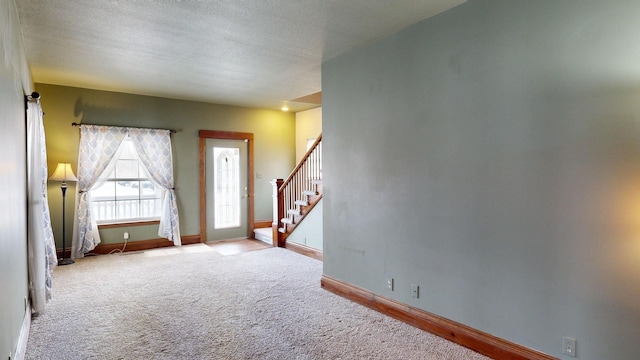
x=126, y=236
x=390, y=284
x=569, y=346
x=415, y=291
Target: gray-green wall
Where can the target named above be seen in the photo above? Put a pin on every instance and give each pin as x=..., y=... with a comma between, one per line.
x=309, y=232
x=274, y=146
x=14, y=77
x=491, y=155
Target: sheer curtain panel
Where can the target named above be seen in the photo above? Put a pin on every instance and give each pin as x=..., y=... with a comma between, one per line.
x=98, y=145
x=40, y=242
x=154, y=149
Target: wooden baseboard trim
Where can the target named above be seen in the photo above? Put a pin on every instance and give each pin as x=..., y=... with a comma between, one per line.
x=190, y=239
x=102, y=249
x=486, y=344
x=262, y=224
x=304, y=250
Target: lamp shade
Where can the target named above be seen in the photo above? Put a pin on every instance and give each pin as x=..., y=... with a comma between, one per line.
x=63, y=173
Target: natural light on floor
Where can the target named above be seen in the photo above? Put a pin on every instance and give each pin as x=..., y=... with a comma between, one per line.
x=195, y=248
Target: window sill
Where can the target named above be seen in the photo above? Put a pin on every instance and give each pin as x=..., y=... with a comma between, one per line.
x=128, y=224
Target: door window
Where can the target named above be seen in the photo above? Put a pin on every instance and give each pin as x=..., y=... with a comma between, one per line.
x=226, y=173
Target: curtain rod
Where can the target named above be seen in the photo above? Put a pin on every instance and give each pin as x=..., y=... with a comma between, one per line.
x=131, y=127
x=34, y=96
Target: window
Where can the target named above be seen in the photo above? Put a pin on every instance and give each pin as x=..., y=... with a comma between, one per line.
x=226, y=170
x=127, y=194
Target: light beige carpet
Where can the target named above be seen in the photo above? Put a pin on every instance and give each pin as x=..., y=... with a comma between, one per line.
x=198, y=304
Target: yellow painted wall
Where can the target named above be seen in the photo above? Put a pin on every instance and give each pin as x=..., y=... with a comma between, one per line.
x=308, y=126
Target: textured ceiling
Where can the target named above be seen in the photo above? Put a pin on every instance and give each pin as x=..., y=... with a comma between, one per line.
x=255, y=53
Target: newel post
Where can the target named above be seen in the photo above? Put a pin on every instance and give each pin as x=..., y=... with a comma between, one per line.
x=278, y=213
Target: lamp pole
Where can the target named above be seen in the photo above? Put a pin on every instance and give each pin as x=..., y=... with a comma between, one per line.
x=63, y=173
x=64, y=260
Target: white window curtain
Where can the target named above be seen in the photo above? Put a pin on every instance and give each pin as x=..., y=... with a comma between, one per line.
x=98, y=148
x=98, y=145
x=154, y=149
x=40, y=242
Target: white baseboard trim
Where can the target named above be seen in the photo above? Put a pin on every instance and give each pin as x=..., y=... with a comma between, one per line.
x=21, y=348
x=264, y=235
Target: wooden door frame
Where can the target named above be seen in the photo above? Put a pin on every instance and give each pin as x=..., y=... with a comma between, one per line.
x=203, y=135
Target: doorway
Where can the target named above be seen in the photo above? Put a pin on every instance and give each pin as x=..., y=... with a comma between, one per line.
x=226, y=185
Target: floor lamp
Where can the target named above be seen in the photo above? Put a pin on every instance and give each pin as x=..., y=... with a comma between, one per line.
x=63, y=173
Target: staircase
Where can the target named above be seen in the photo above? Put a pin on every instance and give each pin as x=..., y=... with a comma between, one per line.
x=302, y=206
x=294, y=197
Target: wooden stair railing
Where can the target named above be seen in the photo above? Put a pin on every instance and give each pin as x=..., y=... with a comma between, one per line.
x=298, y=194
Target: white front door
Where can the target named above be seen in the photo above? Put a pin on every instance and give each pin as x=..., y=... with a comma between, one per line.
x=226, y=189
